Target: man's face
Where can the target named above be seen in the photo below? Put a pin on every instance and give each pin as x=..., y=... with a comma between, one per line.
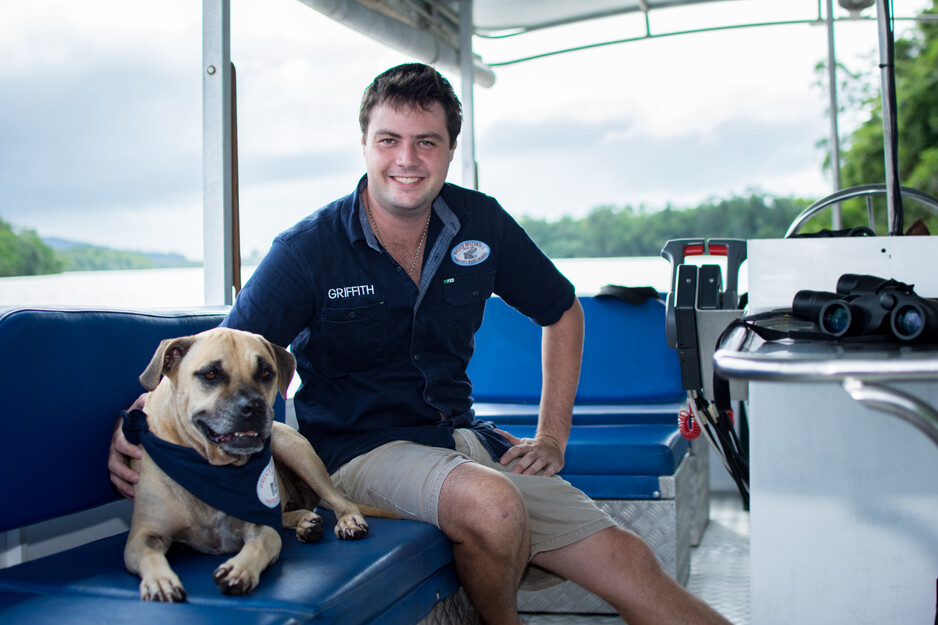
x=407, y=156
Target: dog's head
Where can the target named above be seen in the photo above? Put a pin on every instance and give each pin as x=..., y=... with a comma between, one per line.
x=219, y=389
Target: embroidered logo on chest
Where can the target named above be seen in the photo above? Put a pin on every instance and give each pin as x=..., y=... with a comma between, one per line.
x=470, y=253
x=267, y=490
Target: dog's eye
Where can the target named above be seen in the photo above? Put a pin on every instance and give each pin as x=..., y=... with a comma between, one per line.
x=212, y=373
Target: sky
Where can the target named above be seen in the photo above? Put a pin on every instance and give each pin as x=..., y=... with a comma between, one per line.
x=100, y=114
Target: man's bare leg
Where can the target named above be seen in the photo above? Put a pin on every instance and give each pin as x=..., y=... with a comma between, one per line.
x=483, y=514
x=618, y=566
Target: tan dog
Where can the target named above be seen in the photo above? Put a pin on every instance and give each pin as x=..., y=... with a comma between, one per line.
x=216, y=397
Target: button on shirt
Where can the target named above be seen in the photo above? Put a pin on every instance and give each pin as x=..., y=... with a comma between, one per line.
x=381, y=358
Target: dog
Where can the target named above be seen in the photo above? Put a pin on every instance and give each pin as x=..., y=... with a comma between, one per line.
x=212, y=394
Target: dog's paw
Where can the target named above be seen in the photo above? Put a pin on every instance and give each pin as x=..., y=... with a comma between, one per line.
x=167, y=589
x=233, y=579
x=351, y=527
x=309, y=528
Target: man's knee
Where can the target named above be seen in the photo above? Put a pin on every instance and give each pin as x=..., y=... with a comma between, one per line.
x=478, y=500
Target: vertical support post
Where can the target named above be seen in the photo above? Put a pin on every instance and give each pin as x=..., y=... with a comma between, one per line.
x=216, y=152
x=836, y=215
x=470, y=173
x=890, y=125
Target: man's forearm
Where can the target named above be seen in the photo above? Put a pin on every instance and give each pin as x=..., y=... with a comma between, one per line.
x=561, y=355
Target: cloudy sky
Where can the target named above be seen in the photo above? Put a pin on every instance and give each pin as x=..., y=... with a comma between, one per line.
x=100, y=114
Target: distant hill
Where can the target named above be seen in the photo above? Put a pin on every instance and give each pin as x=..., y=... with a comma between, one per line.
x=78, y=256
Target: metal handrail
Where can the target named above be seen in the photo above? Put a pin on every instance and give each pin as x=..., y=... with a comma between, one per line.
x=850, y=193
x=860, y=377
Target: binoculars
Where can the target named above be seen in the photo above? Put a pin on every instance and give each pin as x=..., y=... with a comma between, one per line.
x=866, y=304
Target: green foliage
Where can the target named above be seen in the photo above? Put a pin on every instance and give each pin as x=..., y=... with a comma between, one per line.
x=23, y=254
x=610, y=232
x=89, y=258
x=916, y=74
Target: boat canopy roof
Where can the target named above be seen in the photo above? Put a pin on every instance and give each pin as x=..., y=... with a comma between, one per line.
x=432, y=31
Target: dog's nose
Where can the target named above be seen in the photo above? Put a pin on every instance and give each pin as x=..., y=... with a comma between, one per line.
x=253, y=406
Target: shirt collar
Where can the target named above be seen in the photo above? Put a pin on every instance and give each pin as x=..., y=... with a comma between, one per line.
x=360, y=228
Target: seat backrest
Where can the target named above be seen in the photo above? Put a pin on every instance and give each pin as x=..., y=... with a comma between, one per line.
x=626, y=358
x=65, y=376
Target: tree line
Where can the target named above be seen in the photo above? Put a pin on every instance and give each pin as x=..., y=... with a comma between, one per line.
x=23, y=253
x=608, y=231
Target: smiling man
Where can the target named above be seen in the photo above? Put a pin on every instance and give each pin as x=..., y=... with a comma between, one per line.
x=379, y=295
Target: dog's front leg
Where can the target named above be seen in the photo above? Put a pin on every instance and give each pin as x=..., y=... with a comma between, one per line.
x=293, y=450
x=308, y=525
x=145, y=556
x=241, y=573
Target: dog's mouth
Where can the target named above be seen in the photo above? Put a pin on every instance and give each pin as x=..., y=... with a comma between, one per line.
x=238, y=443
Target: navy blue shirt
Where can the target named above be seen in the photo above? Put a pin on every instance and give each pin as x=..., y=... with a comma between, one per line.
x=379, y=358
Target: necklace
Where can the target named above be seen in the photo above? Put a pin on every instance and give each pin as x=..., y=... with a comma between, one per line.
x=423, y=237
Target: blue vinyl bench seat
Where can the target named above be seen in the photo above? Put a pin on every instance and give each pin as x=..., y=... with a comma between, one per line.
x=390, y=576
x=66, y=374
x=619, y=461
x=35, y=608
x=624, y=449
x=74, y=369
x=624, y=435
x=636, y=449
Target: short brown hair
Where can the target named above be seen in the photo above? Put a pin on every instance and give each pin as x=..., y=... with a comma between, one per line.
x=414, y=85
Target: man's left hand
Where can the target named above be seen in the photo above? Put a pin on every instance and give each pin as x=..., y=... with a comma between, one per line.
x=541, y=455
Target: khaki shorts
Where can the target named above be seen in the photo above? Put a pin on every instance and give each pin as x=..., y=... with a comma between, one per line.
x=406, y=478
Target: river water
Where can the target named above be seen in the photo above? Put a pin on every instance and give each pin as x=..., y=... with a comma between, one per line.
x=169, y=288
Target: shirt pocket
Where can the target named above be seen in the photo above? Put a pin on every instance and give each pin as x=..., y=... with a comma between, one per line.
x=465, y=299
x=354, y=339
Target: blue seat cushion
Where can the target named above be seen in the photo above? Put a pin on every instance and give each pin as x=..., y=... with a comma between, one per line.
x=395, y=575
x=664, y=413
x=648, y=449
x=618, y=461
x=30, y=608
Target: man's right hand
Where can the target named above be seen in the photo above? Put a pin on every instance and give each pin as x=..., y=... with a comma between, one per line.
x=118, y=461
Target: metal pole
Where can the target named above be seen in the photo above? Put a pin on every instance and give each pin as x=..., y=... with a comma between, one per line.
x=470, y=173
x=887, y=69
x=216, y=152
x=836, y=215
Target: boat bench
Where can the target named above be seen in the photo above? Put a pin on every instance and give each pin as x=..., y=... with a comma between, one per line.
x=65, y=375
x=625, y=450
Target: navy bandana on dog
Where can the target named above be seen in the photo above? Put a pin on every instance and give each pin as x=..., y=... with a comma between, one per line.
x=248, y=492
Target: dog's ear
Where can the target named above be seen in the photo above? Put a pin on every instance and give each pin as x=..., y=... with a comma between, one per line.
x=167, y=356
x=286, y=365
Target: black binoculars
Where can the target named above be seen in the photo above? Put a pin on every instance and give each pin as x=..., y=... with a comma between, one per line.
x=866, y=304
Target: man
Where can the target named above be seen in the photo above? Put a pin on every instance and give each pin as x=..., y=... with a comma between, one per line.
x=379, y=295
